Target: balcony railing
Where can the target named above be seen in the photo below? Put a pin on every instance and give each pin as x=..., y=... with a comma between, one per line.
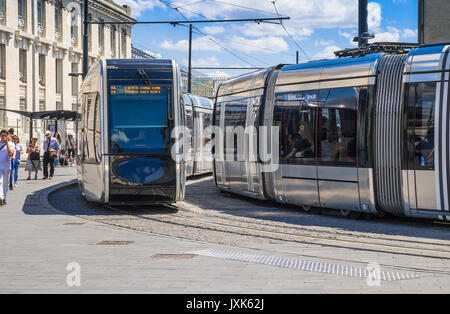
x=41, y=80
x=57, y=34
x=22, y=77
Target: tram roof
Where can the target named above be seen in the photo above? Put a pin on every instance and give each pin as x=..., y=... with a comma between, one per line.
x=331, y=62
x=139, y=63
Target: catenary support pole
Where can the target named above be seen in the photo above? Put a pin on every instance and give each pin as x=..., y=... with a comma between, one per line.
x=190, y=60
x=85, y=38
x=363, y=25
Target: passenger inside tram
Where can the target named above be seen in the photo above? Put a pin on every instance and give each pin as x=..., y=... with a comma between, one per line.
x=300, y=147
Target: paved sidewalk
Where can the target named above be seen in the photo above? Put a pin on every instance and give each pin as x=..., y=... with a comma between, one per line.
x=38, y=243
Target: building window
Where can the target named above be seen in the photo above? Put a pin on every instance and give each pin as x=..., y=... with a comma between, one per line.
x=2, y=112
x=90, y=32
x=42, y=70
x=41, y=16
x=113, y=40
x=23, y=65
x=59, y=77
x=58, y=19
x=73, y=27
x=2, y=11
x=22, y=104
x=100, y=36
x=124, y=43
x=2, y=61
x=74, y=79
x=22, y=13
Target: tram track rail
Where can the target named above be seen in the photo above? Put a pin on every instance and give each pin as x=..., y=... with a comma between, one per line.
x=244, y=226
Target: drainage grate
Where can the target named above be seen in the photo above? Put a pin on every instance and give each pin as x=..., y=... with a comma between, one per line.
x=174, y=256
x=312, y=266
x=74, y=223
x=115, y=242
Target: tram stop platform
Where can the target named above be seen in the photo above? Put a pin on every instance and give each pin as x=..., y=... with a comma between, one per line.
x=82, y=248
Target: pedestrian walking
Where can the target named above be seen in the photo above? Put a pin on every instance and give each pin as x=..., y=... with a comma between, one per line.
x=6, y=153
x=15, y=162
x=57, y=136
x=34, y=159
x=51, y=149
x=70, y=144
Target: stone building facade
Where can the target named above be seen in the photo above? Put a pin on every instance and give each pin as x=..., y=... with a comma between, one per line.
x=40, y=44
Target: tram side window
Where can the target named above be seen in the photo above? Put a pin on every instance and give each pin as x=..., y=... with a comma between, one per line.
x=337, y=129
x=296, y=120
x=98, y=130
x=235, y=115
x=190, y=127
x=90, y=127
x=421, y=120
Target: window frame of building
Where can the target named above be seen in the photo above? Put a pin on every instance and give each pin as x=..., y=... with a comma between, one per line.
x=22, y=14
x=124, y=43
x=73, y=27
x=41, y=16
x=101, y=36
x=75, y=67
x=3, y=12
x=42, y=69
x=89, y=32
x=2, y=113
x=58, y=20
x=2, y=61
x=112, y=40
x=59, y=76
x=23, y=65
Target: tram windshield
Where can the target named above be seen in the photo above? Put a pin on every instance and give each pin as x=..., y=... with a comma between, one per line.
x=138, y=118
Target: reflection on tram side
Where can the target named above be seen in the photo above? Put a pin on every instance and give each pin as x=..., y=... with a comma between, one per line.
x=365, y=134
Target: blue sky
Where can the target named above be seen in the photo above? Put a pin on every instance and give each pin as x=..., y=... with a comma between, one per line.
x=319, y=27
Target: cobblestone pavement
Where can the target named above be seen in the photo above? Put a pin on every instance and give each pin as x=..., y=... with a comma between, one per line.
x=210, y=243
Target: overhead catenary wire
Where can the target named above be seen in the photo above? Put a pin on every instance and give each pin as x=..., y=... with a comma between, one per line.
x=290, y=36
x=209, y=37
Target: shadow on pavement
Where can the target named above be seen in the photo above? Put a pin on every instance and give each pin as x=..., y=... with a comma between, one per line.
x=204, y=194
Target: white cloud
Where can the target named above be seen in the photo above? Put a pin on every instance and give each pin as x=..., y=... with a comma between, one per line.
x=214, y=30
x=264, y=29
x=268, y=45
x=138, y=6
x=198, y=44
x=206, y=62
x=154, y=54
x=409, y=33
x=374, y=16
x=327, y=53
x=303, y=13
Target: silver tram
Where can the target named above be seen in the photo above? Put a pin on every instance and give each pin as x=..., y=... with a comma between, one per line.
x=128, y=109
x=198, y=118
x=362, y=134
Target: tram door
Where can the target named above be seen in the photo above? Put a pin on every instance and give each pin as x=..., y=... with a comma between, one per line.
x=421, y=145
x=250, y=169
x=295, y=114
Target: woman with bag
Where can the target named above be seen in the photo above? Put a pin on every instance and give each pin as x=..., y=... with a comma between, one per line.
x=34, y=159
